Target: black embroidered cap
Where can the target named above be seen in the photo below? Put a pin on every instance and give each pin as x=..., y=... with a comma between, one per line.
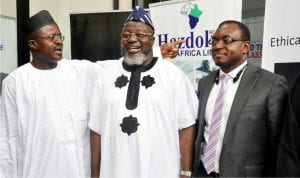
x=37, y=21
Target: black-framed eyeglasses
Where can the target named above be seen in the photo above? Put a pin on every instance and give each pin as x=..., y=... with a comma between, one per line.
x=52, y=37
x=225, y=41
x=139, y=36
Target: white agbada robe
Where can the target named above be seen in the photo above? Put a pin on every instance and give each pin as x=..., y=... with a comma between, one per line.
x=153, y=151
x=44, y=119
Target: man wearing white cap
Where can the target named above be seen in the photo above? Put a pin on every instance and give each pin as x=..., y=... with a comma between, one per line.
x=143, y=111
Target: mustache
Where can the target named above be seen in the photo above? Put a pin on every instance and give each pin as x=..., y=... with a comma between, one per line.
x=124, y=52
x=130, y=46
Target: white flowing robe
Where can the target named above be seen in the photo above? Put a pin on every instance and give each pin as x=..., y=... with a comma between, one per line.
x=43, y=120
x=153, y=151
x=44, y=117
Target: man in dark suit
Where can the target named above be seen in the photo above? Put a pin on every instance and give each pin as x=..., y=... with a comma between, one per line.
x=288, y=163
x=295, y=99
x=240, y=111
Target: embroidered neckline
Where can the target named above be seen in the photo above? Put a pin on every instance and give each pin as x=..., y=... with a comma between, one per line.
x=140, y=68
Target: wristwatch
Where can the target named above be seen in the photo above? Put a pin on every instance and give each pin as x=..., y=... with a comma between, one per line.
x=186, y=173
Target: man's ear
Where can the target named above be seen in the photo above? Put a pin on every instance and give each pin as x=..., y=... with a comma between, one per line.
x=32, y=44
x=153, y=40
x=247, y=46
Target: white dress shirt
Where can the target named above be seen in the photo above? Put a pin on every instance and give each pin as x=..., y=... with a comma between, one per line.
x=228, y=100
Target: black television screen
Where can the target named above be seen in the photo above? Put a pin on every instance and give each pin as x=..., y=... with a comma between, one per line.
x=289, y=70
x=96, y=36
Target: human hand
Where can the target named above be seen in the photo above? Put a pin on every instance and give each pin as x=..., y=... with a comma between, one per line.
x=170, y=50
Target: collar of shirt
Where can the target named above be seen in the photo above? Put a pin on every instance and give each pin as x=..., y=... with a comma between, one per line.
x=235, y=71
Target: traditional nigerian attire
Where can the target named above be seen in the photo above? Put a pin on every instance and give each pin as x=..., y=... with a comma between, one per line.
x=140, y=139
x=44, y=119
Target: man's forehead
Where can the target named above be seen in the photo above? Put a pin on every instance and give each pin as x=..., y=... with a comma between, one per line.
x=228, y=30
x=229, y=26
x=137, y=26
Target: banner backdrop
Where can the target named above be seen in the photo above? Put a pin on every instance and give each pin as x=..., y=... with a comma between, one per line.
x=255, y=25
x=281, y=52
x=8, y=44
x=194, y=21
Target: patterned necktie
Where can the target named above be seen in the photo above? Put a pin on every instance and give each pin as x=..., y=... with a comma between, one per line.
x=209, y=155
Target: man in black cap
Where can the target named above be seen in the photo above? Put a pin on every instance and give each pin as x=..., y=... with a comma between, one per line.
x=44, y=108
x=44, y=112
x=143, y=111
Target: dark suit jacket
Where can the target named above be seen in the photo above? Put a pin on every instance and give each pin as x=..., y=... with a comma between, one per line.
x=295, y=99
x=288, y=163
x=251, y=137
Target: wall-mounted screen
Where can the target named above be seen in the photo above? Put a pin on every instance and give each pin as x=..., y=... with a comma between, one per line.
x=96, y=36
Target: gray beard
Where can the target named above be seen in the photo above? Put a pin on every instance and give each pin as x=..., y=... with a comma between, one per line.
x=136, y=59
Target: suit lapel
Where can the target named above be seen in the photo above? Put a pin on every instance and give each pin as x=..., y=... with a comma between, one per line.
x=247, y=83
x=204, y=94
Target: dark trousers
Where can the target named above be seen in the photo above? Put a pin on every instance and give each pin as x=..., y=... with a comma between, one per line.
x=199, y=171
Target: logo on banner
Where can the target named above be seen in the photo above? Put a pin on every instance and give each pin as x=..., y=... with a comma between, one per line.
x=194, y=16
x=197, y=43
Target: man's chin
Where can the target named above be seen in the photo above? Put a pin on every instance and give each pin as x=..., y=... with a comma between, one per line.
x=131, y=55
x=133, y=63
x=219, y=62
x=136, y=59
x=57, y=58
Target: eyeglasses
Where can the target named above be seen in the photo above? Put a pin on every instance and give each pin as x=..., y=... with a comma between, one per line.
x=226, y=41
x=52, y=37
x=139, y=36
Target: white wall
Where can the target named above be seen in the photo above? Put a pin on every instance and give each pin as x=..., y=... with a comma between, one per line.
x=90, y=5
x=8, y=8
x=125, y=4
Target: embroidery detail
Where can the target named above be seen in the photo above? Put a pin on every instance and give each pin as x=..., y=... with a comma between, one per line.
x=129, y=125
x=121, y=81
x=148, y=81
